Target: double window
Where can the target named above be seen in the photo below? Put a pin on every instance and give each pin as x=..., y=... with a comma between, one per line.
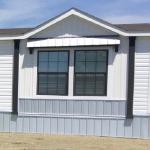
x=90, y=72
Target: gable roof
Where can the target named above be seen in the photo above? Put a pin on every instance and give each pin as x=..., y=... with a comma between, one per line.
x=121, y=29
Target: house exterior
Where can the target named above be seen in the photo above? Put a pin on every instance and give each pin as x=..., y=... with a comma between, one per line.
x=76, y=75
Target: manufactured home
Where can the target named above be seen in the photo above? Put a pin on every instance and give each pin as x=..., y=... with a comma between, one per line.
x=76, y=74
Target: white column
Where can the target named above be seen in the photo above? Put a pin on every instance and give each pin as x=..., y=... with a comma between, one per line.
x=71, y=73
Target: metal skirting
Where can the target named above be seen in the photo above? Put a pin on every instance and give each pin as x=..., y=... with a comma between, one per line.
x=75, y=117
x=139, y=127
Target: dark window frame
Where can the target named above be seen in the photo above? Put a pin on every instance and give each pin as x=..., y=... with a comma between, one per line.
x=106, y=73
x=66, y=73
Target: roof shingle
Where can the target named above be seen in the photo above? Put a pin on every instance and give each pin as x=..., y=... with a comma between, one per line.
x=14, y=31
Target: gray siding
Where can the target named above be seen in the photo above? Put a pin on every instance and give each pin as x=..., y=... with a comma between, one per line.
x=138, y=128
x=88, y=108
x=73, y=26
x=75, y=117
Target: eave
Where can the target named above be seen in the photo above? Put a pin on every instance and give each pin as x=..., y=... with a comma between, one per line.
x=80, y=14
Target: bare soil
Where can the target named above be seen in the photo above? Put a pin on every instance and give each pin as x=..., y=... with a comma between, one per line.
x=12, y=141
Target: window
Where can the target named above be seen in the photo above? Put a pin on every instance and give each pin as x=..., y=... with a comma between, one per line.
x=53, y=73
x=90, y=73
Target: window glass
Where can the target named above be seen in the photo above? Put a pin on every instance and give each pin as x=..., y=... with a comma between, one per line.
x=90, y=73
x=53, y=73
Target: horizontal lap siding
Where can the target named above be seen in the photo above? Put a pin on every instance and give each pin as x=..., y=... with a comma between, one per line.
x=6, y=66
x=141, y=86
x=142, y=75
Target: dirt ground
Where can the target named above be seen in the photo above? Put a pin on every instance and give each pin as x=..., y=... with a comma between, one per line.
x=46, y=142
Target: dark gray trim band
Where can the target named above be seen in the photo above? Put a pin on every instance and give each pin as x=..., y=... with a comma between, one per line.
x=129, y=113
x=15, y=77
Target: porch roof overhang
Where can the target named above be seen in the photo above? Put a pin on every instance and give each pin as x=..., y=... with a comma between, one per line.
x=72, y=42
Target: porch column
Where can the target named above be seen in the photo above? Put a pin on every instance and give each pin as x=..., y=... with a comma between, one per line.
x=131, y=58
x=15, y=77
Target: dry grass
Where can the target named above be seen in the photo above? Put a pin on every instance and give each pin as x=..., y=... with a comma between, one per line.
x=46, y=142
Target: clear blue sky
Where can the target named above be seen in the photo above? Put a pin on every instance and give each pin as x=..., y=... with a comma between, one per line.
x=29, y=13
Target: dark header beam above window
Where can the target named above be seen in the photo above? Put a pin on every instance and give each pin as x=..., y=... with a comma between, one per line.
x=31, y=50
x=15, y=76
x=129, y=112
x=116, y=48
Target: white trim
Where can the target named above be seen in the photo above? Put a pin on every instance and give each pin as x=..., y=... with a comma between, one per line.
x=4, y=110
x=97, y=98
x=71, y=73
x=81, y=15
x=74, y=12
x=72, y=116
x=70, y=96
x=62, y=42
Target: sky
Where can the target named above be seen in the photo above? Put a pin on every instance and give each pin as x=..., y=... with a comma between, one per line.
x=30, y=13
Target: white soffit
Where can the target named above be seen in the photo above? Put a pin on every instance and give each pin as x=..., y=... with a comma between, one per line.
x=61, y=42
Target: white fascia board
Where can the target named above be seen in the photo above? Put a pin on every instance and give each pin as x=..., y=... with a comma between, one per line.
x=60, y=18
x=11, y=38
x=99, y=23
x=83, y=16
x=73, y=12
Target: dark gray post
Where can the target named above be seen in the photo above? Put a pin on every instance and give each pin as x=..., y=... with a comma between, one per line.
x=15, y=77
x=131, y=58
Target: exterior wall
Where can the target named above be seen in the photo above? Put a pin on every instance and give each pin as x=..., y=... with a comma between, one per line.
x=142, y=76
x=6, y=66
x=100, y=116
x=117, y=74
x=73, y=26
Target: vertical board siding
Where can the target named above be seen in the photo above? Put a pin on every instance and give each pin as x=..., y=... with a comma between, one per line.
x=136, y=128
x=72, y=107
x=6, y=66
